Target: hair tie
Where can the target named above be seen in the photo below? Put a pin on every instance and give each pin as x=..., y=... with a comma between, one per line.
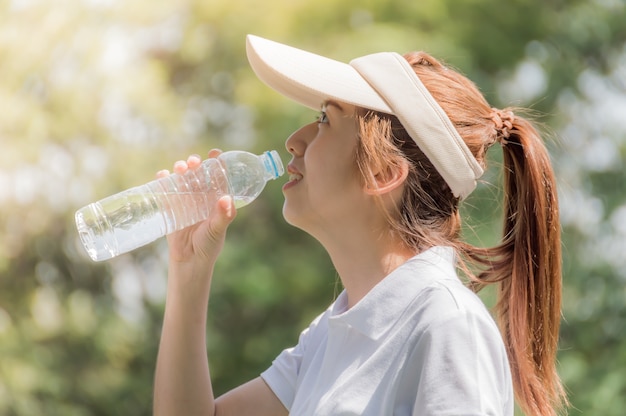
x=503, y=122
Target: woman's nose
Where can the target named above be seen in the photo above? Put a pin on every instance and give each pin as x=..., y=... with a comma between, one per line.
x=296, y=143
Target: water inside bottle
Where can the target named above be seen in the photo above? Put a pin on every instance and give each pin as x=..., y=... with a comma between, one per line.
x=242, y=201
x=108, y=235
x=95, y=247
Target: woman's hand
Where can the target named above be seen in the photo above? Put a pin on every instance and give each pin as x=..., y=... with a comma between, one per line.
x=201, y=243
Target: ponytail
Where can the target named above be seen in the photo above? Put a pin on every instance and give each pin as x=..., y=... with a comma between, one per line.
x=527, y=266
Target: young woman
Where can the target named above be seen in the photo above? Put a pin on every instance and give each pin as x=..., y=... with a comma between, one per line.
x=378, y=179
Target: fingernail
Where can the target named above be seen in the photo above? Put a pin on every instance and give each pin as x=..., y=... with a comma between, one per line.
x=229, y=210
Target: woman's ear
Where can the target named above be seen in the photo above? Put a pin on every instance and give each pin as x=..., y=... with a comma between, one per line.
x=389, y=179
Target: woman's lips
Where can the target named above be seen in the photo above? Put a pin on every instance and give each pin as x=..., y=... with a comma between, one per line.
x=294, y=177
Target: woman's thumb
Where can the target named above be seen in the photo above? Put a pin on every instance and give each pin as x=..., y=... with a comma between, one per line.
x=226, y=212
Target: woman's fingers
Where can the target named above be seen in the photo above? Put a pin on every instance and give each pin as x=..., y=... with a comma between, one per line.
x=192, y=162
x=214, y=152
x=162, y=173
x=180, y=167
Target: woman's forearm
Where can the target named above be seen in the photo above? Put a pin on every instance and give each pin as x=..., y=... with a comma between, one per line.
x=182, y=379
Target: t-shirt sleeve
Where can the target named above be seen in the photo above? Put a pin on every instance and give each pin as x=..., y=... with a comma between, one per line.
x=464, y=370
x=282, y=375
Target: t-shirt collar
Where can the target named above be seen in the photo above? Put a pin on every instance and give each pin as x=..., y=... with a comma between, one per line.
x=384, y=304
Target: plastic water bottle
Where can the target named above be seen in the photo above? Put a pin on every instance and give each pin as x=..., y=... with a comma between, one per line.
x=140, y=215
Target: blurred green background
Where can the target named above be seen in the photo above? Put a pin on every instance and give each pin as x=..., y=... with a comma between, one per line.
x=97, y=95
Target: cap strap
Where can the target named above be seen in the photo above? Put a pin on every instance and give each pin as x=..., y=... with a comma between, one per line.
x=394, y=79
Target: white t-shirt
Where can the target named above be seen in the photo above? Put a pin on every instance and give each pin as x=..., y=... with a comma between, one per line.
x=419, y=343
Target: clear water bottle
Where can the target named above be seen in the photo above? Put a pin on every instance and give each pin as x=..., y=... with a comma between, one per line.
x=140, y=215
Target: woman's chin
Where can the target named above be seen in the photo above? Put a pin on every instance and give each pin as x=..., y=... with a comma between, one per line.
x=294, y=218
x=289, y=216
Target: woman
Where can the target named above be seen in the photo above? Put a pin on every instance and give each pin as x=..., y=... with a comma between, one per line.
x=378, y=179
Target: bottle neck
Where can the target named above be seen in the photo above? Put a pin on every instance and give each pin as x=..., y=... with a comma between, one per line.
x=273, y=165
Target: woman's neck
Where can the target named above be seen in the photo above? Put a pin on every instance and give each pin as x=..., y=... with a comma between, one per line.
x=363, y=261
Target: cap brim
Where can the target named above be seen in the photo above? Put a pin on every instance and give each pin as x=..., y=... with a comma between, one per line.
x=310, y=79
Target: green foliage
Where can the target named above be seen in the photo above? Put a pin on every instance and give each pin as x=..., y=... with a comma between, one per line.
x=95, y=96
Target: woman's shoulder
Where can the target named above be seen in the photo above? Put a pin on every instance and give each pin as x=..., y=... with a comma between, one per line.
x=439, y=293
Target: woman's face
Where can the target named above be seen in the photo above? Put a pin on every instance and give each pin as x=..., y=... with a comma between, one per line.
x=325, y=187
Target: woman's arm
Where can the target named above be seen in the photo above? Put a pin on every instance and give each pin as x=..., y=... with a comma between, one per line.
x=182, y=379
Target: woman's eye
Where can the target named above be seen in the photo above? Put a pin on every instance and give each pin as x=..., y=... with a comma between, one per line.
x=322, y=118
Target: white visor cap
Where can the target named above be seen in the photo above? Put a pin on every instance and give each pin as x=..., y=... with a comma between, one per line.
x=382, y=82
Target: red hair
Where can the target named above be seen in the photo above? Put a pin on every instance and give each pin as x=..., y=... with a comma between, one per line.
x=526, y=265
